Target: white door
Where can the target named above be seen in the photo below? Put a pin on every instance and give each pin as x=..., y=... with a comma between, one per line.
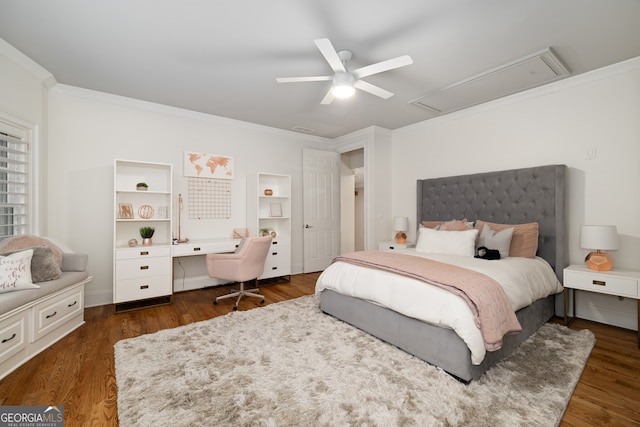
x=321, y=188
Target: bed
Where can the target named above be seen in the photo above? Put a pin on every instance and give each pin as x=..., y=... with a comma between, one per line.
x=521, y=196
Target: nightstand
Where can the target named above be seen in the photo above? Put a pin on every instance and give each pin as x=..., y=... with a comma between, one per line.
x=391, y=245
x=621, y=283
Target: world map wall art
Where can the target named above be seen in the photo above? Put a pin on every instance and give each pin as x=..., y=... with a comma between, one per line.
x=203, y=165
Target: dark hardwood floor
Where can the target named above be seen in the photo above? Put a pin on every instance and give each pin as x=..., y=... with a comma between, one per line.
x=78, y=372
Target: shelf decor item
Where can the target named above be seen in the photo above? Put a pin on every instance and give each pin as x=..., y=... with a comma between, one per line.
x=147, y=233
x=142, y=186
x=125, y=211
x=145, y=211
x=268, y=192
x=275, y=210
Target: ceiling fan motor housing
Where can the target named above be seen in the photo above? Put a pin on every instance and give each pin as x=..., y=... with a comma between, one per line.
x=343, y=84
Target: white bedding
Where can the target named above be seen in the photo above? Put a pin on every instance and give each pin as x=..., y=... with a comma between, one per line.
x=524, y=280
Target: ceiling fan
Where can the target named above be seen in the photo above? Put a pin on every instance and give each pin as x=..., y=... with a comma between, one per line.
x=344, y=81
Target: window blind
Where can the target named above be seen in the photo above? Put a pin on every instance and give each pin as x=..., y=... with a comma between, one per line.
x=14, y=181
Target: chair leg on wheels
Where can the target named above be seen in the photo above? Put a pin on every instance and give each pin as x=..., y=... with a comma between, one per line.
x=242, y=292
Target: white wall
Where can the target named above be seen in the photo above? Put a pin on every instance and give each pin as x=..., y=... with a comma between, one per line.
x=550, y=125
x=23, y=98
x=88, y=130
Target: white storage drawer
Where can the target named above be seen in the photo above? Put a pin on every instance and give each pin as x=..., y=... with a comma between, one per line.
x=13, y=334
x=278, y=262
x=601, y=283
x=142, y=288
x=51, y=313
x=145, y=267
x=143, y=252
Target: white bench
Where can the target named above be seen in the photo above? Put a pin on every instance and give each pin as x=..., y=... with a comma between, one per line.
x=31, y=320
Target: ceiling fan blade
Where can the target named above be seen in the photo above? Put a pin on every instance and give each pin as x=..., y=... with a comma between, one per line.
x=303, y=79
x=330, y=54
x=329, y=97
x=380, y=67
x=372, y=89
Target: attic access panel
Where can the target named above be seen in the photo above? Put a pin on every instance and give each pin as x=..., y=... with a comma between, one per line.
x=525, y=73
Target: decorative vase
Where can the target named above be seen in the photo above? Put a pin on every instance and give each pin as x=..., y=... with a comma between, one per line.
x=141, y=188
x=401, y=237
x=146, y=241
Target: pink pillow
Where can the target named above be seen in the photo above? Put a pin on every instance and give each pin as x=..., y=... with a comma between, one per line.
x=524, y=242
x=453, y=225
x=26, y=241
x=456, y=225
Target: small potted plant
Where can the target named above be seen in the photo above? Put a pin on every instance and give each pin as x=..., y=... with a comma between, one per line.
x=265, y=231
x=142, y=186
x=146, y=233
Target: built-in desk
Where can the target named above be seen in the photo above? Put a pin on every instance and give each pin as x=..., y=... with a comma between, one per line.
x=189, y=265
x=200, y=247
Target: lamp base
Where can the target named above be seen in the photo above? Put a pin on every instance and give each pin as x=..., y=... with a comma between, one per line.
x=599, y=261
x=401, y=237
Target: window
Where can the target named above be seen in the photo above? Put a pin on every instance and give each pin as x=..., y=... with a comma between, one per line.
x=15, y=182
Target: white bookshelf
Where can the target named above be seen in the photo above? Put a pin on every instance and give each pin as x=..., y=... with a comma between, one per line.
x=142, y=272
x=273, y=212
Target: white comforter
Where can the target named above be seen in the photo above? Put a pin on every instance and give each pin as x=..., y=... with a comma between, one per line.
x=524, y=280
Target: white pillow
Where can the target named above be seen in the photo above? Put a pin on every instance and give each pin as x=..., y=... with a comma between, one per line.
x=500, y=240
x=15, y=272
x=447, y=242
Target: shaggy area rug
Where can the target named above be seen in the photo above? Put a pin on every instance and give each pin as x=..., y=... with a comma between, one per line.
x=288, y=364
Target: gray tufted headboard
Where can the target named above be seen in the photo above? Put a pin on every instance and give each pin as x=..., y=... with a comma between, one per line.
x=515, y=196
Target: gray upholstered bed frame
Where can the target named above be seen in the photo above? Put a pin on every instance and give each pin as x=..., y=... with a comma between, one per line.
x=509, y=197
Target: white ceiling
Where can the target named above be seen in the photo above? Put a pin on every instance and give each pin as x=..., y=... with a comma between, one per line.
x=223, y=57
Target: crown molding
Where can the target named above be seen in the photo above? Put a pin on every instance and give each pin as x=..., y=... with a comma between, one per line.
x=176, y=112
x=22, y=60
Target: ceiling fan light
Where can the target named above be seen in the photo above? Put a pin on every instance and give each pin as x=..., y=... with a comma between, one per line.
x=343, y=85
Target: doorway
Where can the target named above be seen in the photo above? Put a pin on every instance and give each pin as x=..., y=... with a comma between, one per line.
x=352, y=197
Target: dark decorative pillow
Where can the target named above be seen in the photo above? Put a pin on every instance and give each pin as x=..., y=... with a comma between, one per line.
x=44, y=266
x=485, y=253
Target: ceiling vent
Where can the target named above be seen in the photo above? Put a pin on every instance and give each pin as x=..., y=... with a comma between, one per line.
x=302, y=129
x=524, y=73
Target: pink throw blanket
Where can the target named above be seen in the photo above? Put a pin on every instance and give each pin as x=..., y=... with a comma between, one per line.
x=489, y=304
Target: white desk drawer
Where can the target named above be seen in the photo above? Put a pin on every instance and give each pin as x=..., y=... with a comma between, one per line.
x=201, y=248
x=13, y=334
x=51, y=313
x=601, y=283
x=146, y=267
x=143, y=288
x=143, y=252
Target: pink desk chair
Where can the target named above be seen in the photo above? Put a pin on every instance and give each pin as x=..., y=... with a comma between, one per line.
x=247, y=263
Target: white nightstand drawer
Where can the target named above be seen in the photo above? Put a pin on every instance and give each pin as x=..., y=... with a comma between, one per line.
x=392, y=246
x=601, y=283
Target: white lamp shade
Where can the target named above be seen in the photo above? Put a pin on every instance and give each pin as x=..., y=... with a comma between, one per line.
x=400, y=223
x=599, y=237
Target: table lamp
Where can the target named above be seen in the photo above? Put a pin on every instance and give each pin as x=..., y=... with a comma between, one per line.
x=599, y=238
x=400, y=226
